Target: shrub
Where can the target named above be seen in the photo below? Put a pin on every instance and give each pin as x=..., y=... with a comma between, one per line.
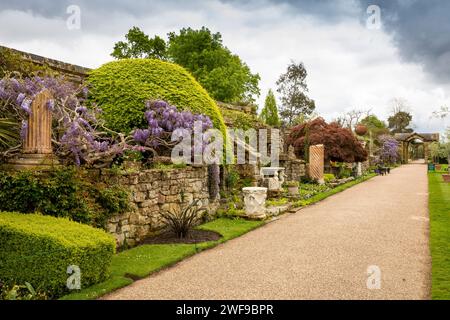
x=329, y=177
x=39, y=249
x=61, y=193
x=292, y=184
x=241, y=120
x=182, y=221
x=122, y=87
x=340, y=143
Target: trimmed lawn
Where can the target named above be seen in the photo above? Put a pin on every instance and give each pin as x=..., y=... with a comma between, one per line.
x=439, y=205
x=141, y=261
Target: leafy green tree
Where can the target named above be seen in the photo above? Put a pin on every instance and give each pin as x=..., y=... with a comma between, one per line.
x=269, y=114
x=400, y=121
x=375, y=126
x=221, y=73
x=140, y=45
x=292, y=87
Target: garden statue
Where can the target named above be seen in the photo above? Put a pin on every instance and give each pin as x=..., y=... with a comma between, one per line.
x=255, y=200
x=291, y=153
x=273, y=177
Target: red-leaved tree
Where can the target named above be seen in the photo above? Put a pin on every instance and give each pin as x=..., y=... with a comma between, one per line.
x=340, y=143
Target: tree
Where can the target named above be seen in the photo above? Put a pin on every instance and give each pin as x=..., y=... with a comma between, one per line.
x=292, y=87
x=269, y=114
x=352, y=118
x=224, y=75
x=140, y=45
x=340, y=143
x=399, y=122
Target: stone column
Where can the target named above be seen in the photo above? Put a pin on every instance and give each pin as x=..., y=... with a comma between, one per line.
x=317, y=162
x=39, y=134
x=37, y=145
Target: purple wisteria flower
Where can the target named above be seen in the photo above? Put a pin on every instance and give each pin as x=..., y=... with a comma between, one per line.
x=163, y=119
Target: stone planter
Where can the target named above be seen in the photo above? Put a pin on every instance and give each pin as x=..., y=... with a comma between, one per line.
x=446, y=177
x=255, y=202
x=293, y=191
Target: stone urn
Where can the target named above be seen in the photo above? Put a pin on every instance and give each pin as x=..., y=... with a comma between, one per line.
x=446, y=177
x=292, y=187
x=255, y=200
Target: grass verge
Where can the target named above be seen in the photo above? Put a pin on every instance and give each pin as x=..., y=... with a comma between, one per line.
x=321, y=196
x=439, y=206
x=141, y=261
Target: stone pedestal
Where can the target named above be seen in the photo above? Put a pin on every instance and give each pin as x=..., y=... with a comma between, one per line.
x=255, y=200
x=37, y=145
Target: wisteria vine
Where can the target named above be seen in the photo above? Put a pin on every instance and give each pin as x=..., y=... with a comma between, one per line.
x=79, y=136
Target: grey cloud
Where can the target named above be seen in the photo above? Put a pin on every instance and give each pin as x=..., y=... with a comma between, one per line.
x=421, y=30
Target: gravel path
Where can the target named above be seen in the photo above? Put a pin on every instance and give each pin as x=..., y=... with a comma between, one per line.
x=320, y=252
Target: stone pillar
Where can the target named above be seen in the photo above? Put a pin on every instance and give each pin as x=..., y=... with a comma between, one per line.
x=317, y=162
x=39, y=134
x=359, y=169
x=37, y=145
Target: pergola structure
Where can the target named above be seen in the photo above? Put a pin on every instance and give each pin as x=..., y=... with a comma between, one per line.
x=414, y=146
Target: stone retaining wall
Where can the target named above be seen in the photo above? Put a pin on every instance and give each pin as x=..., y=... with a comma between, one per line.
x=152, y=191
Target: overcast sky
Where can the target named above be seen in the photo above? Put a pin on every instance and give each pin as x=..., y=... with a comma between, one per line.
x=350, y=66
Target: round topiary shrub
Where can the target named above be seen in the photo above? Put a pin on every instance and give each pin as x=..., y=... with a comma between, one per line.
x=121, y=88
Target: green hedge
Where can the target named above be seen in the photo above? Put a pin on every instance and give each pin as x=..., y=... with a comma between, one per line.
x=122, y=87
x=39, y=249
x=64, y=192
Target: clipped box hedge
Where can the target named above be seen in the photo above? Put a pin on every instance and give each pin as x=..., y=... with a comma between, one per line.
x=38, y=249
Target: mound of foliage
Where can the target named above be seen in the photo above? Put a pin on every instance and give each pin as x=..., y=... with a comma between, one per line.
x=38, y=250
x=241, y=120
x=122, y=87
x=340, y=143
x=61, y=193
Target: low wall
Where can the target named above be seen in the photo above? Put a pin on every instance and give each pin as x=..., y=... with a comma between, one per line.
x=153, y=191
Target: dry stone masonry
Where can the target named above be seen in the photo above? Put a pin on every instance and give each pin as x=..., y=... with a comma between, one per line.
x=153, y=191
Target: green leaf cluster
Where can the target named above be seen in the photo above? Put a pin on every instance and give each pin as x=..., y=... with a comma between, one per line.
x=38, y=249
x=61, y=193
x=269, y=114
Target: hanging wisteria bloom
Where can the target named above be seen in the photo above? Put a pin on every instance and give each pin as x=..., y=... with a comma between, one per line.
x=163, y=119
x=78, y=136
